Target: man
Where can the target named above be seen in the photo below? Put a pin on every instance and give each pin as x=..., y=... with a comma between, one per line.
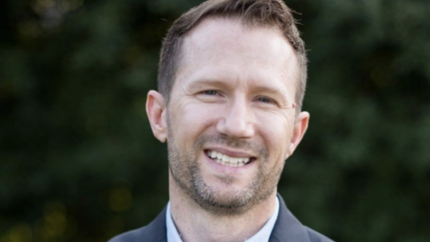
x=231, y=83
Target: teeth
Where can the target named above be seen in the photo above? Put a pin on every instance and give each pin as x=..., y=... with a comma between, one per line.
x=227, y=160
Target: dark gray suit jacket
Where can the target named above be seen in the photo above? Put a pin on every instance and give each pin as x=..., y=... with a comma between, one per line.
x=287, y=229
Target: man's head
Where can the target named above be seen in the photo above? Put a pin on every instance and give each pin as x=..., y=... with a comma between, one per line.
x=231, y=117
x=263, y=13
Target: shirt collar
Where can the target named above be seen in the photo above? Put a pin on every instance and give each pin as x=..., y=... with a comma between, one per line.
x=172, y=232
x=262, y=235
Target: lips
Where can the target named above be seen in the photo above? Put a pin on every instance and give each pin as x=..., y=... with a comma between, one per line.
x=228, y=160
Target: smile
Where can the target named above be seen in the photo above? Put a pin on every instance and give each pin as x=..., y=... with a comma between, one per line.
x=228, y=160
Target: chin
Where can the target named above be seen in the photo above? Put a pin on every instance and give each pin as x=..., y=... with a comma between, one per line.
x=227, y=201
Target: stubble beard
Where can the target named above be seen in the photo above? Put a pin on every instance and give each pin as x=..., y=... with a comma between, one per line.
x=187, y=174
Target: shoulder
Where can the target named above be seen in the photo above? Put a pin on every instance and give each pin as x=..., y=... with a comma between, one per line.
x=154, y=232
x=316, y=237
x=288, y=227
x=130, y=236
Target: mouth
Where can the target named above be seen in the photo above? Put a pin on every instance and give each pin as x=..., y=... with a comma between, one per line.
x=226, y=160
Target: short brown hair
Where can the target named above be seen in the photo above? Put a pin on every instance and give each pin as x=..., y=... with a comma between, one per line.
x=253, y=12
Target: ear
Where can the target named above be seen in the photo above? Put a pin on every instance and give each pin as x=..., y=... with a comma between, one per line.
x=299, y=131
x=156, y=111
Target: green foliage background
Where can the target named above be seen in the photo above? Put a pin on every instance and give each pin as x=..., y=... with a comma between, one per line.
x=78, y=161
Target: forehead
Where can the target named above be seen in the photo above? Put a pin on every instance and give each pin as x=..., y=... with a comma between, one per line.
x=224, y=45
x=218, y=31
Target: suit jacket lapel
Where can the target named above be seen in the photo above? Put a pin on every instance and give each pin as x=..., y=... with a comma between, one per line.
x=287, y=227
x=155, y=231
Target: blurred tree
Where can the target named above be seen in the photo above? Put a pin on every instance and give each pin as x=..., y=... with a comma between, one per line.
x=77, y=157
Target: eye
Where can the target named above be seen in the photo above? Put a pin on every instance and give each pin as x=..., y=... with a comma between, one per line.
x=209, y=96
x=210, y=92
x=265, y=100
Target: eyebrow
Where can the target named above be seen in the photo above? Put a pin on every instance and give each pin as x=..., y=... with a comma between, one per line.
x=216, y=82
x=210, y=82
x=261, y=89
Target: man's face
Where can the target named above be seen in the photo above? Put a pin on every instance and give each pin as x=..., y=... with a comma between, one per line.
x=231, y=121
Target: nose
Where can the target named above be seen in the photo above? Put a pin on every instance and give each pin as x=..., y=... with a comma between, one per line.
x=236, y=121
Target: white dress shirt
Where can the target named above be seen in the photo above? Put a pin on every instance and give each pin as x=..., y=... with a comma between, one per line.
x=262, y=235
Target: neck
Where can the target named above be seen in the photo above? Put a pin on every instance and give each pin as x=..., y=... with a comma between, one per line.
x=196, y=224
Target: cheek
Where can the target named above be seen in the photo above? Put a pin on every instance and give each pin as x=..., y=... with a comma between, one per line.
x=276, y=131
x=192, y=119
x=199, y=114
